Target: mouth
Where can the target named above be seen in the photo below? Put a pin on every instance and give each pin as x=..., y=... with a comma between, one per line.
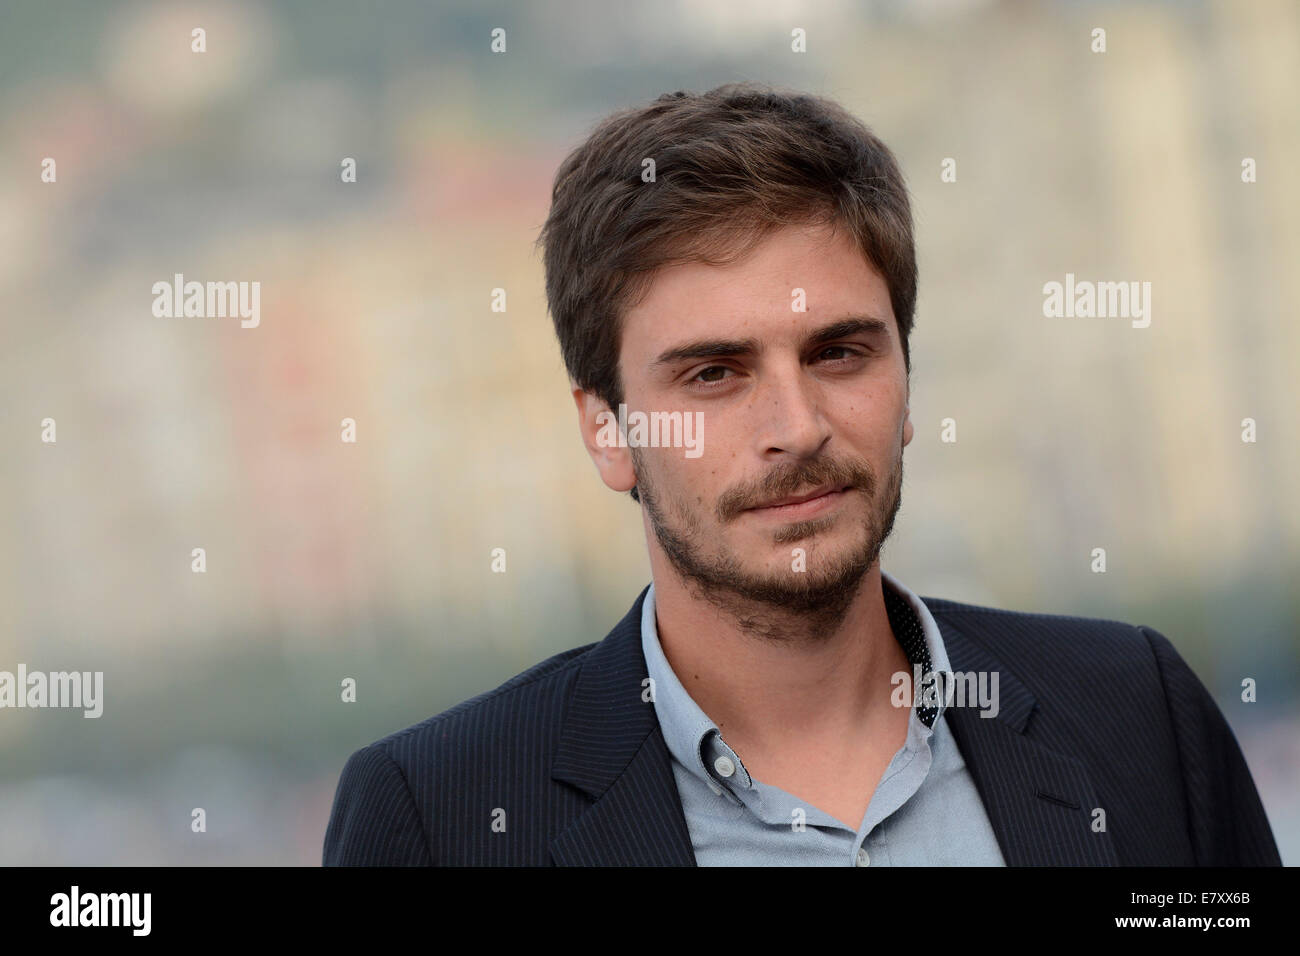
x=805, y=505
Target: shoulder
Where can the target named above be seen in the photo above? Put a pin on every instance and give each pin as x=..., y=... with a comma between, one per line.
x=403, y=799
x=1085, y=664
x=1042, y=636
x=998, y=617
x=1087, y=674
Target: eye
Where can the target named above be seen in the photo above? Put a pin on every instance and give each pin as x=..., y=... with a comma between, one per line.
x=848, y=356
x=711, y=375
x=844, y=350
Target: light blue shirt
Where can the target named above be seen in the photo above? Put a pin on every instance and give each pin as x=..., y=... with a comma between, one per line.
x=925, y=810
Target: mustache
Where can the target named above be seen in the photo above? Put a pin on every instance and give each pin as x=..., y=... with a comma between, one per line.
x=794, y=477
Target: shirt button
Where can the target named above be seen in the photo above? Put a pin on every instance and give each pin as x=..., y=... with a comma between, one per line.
x=724, y=766
x=863, y=858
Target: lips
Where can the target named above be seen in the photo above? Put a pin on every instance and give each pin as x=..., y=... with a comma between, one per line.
x=800, y=499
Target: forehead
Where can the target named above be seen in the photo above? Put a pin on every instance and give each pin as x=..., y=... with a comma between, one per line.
x=755, y=295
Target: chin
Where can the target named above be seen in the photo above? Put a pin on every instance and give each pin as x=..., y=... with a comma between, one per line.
x=818, y=549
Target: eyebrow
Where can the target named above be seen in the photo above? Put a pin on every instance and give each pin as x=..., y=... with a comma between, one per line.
x=721, y=348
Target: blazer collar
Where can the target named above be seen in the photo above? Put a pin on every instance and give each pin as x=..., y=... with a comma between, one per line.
x=1040, y=801
x=611, y=748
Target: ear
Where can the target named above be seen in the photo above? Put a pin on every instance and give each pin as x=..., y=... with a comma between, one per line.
x=599, y=427
x=907, y=424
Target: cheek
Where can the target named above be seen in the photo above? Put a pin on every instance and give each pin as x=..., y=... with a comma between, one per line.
x=871, y=427
x=697, y=479
x=729, y=462
x=874, y=414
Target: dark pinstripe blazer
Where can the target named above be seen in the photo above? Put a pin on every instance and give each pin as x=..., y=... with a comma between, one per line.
x=566, y=764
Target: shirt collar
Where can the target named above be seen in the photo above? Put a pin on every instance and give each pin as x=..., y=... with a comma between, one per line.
x=688, y=731
x=685, y=725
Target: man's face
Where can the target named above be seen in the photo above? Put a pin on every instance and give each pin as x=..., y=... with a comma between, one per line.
x=796, y=405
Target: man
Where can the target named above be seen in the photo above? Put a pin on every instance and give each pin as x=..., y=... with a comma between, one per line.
x=744, y=259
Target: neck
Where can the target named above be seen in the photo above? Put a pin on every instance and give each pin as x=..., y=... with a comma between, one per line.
x=771, y=680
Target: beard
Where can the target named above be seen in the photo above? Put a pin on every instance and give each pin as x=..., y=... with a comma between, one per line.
x=784, y=604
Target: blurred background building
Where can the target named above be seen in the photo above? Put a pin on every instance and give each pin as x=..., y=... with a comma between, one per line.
x=371, y=560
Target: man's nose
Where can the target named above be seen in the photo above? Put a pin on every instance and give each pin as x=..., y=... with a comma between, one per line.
x=788, y=415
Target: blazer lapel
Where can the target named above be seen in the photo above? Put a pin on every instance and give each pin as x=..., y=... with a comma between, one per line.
x=1039, y=801
x=612, y=748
